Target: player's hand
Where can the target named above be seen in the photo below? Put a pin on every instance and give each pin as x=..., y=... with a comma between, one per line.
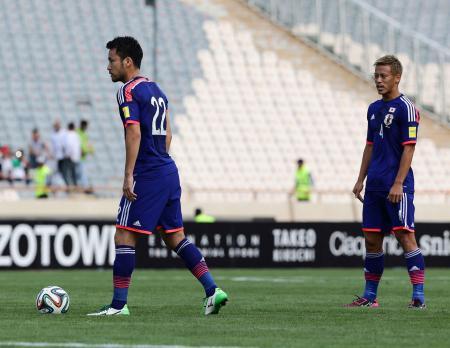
x=128, y=188
x=357, y=189
x=396, y=193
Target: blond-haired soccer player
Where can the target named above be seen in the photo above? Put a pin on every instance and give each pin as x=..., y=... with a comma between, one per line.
x=392, y=121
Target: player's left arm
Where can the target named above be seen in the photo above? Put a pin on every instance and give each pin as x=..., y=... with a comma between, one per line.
x=168, y=132
x=409, y=123
x=131, y=112
x=132, y=143
x=396, y=192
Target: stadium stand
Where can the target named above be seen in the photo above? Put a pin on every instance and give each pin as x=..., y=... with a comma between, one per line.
x=318, y=119
x=244, y=110
x=54, y=61
x=433, y=16
x=358, y=31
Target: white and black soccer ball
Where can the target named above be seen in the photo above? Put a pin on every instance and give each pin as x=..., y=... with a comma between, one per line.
x=52, y=300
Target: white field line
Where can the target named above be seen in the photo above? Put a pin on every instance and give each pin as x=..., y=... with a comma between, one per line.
x=296, y=279
x=106, y=345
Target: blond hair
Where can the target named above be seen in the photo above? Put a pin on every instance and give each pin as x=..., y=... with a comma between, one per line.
x=392, y=61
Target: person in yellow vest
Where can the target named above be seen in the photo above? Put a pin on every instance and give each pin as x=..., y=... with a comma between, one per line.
x=303, y=182
x=86, y=150
x=41, y=179
x=203, y=218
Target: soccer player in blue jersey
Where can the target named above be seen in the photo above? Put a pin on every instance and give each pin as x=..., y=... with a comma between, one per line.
x=151, y=186
x=388, y=201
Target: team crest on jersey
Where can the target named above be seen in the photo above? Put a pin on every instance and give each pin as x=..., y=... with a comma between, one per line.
x=388, y=120
x=391, y=109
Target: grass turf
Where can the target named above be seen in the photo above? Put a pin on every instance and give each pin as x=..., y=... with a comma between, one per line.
x=267, y=308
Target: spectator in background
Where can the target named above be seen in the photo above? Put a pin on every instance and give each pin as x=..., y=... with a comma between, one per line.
x=72, y=156
x=57, y=141
x=15, y=167
x=42, y=178
x=2, y=158
x=36, y=148
x=303, y=182
x=203, y=218
x=86, y=149
x=4, y=152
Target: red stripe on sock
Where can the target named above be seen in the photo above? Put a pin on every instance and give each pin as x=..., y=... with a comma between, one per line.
x=200, y=269
x=417, y=281
x=121, y=282
x=417, y=277
x=372, y=276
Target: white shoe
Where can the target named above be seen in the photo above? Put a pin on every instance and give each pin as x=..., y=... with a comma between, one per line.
x=108, y=310
x=213, y=303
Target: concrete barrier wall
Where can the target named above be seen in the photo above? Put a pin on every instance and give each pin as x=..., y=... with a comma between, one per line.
x=280, y=211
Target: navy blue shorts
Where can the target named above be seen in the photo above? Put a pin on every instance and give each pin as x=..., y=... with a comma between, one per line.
x=380, y=215
x=157, y=206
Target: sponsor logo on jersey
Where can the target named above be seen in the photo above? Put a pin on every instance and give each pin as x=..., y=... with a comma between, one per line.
x=372, y=117
x=388, y=120
x=412, y=132
x=126, y=111
x=137, y=223
x=391, y=109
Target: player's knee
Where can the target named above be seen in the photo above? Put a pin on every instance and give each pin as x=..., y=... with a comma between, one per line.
x=124, y=237
x=407, y=240
x=172, y=239
x=373, y=246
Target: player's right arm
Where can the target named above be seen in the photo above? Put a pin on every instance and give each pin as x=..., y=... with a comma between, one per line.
x=367, y=155
x=365, y=162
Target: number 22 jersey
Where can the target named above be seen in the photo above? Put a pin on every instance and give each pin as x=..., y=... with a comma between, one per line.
x=142, y=102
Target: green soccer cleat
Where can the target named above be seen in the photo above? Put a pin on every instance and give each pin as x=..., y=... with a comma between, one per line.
x=213, y=303
x=108, y=310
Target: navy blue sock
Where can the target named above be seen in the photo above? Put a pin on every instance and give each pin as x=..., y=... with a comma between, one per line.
x=195, y=262
x=416, y=269
x=123, y=268
x=373, y=270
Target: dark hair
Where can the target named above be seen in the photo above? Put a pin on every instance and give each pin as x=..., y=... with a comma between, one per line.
x=127, y=46
x=300, y=161
x=198, y=211
x=83, y=124
x=71, y=126
x=392, y=61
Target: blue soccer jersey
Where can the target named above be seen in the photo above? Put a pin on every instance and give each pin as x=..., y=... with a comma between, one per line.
x=142, y=102
x=391, y=125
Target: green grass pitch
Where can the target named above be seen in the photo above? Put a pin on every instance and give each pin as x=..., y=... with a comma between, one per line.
x=267, y=308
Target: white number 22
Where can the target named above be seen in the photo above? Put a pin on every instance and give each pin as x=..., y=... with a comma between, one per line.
x=158, y=103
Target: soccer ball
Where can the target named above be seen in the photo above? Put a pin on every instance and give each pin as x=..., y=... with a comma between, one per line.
x=52, y=300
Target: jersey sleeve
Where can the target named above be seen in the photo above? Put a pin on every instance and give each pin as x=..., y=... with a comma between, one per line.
x=369, y=138
x=408, y=122
x=128, y=107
